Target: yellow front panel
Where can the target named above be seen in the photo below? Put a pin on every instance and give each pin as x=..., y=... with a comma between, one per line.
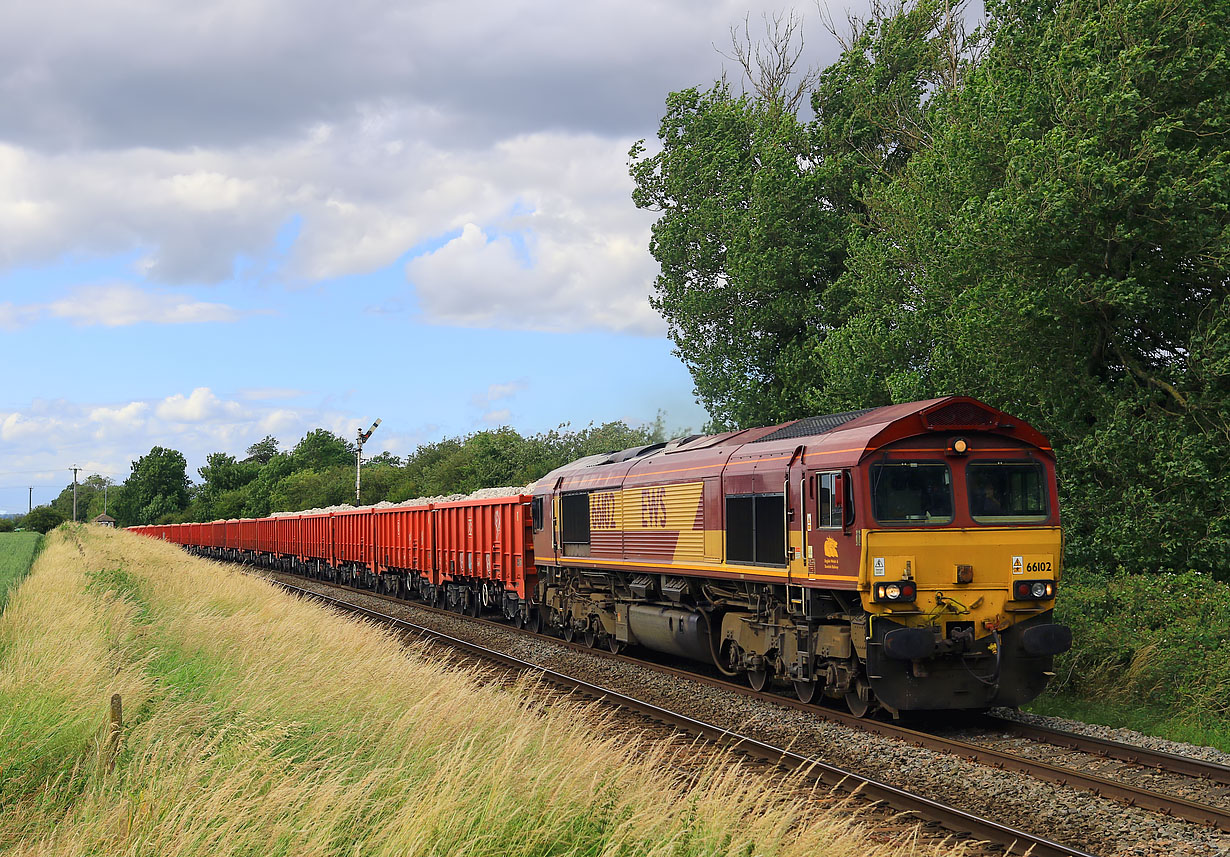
x=997, y=556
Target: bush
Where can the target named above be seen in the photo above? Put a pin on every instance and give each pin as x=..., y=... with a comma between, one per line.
x=42, y=519
x=1156, y=639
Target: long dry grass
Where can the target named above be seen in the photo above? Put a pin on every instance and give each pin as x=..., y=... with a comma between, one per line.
x=256, y=724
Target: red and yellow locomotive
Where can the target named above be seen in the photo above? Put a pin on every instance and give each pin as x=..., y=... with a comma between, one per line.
x=904, y=556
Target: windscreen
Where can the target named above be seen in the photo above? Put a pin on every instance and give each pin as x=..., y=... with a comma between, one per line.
x=1007, y=492
x=911, y=492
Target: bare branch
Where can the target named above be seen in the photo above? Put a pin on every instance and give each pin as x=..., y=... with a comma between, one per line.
x=769, y=64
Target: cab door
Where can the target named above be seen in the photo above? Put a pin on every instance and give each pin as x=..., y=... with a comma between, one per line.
x=831, y=547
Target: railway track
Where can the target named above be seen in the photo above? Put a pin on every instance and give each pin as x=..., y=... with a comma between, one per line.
x=1157, y=801
x=951, y=818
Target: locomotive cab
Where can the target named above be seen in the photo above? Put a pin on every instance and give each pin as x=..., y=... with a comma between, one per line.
x=960, y=562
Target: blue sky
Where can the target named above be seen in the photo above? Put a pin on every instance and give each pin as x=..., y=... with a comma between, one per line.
x=220, y=221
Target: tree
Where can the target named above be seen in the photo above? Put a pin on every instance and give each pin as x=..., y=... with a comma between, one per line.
x=320, y=449
x=157, y=488
x=1060, y=248
x=263, y=451
x=89, y=494
x=757, y=207
x=43, y=519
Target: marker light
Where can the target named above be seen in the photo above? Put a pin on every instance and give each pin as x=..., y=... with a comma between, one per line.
x=1033, y=590
x=904, y=590
x=960, y=446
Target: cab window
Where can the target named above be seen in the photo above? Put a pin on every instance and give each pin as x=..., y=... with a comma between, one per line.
x=911, y=492
x=1007, y=492
x=828, y=513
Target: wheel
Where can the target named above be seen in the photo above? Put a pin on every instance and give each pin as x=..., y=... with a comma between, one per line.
x=616, y=646
x=758, y=679
x=533, y=622
x=805, y=691
x=859, y=699
x=518, y=621
x=475, y=605
x=570, y=633
x=590, y=638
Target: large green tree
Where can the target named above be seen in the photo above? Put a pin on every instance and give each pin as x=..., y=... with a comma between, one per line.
x=1061, y=249
x=156, y=489
x=747, y=250
x=756, y=206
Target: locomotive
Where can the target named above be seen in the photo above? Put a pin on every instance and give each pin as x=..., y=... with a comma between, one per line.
x=903, y=558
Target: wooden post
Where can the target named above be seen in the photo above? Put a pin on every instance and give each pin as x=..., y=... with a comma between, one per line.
x=117, y=725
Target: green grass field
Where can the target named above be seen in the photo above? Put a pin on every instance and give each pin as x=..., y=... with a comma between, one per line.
x=17, y=551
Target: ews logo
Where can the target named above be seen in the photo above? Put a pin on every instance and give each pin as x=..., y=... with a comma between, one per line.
x=653, y=507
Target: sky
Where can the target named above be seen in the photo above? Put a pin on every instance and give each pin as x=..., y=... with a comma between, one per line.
x=225, y=219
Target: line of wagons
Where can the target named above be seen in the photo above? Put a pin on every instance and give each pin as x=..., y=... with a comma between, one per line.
x=468, y=555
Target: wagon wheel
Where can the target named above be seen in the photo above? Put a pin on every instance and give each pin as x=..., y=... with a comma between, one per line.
x=570, y=633
x=518, y=620
x=805, y=691
x=616, y=646
x=475, y=603
x=859, y=699
x=590, y=637
x=758, y=679
x=533, y=622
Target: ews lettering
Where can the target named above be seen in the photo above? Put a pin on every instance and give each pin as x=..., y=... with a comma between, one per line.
x=653, y=507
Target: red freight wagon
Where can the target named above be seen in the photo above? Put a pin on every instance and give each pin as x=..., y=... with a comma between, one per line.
x=316, y=537
x=353, y=538
x=286, y=535
x=212, y=533
x=488, y=540
x=265, y=542
x=248, y=534
x=403, y=538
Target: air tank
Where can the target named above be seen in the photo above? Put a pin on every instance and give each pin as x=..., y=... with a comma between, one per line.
x=674, y=632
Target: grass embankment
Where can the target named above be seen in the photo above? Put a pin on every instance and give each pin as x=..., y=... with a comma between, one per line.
x=258, y=724
x=1150, y=652
x=17, y=552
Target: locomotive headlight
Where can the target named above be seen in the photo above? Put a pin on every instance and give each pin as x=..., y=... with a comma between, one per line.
x=892, y=591
x=1039, y=590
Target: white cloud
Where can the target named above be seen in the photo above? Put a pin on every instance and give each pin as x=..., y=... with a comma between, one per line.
x=496, y=392
x=200, y=406
x=120, y=305
x=192, y=135
x=497, y=417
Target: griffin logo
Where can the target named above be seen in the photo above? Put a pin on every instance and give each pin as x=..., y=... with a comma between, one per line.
x=830, y=548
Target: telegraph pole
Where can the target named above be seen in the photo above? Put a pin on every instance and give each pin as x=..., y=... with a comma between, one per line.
x=358, y=459
x=30, y=505
x=75, y=469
